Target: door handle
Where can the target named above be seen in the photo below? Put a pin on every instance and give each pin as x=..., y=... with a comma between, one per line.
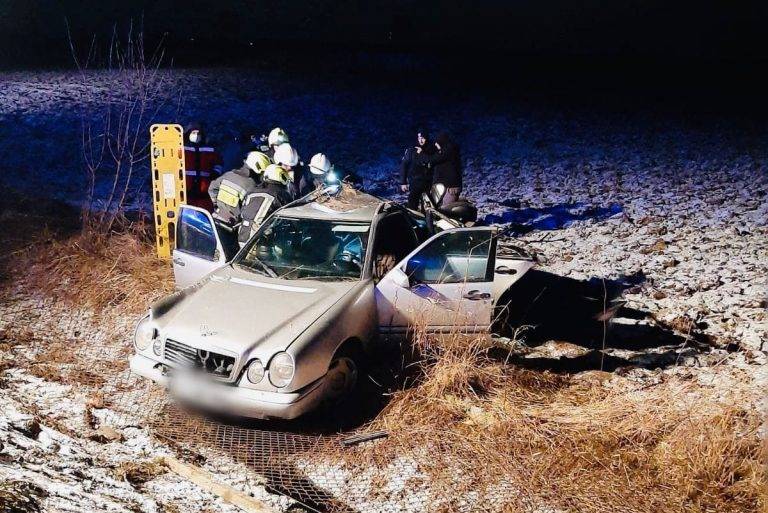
x=179, y=262
x=503, y=269
x=476, y=295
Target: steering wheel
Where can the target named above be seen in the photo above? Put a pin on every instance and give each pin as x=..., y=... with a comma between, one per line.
x=346, y=261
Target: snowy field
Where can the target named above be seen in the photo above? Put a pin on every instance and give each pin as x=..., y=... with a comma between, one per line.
x=679, y=202
x=676, y=208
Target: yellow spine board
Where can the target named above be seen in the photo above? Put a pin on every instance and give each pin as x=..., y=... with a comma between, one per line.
x=168, y=184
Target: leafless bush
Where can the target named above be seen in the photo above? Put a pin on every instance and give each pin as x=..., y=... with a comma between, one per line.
x=115, y=128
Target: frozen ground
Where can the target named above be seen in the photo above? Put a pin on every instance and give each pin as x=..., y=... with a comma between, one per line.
x=678, y=208
x=681, y=203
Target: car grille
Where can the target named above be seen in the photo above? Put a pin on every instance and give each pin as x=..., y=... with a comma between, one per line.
x=182, y=355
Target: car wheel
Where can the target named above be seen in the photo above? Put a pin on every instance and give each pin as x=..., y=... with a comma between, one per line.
x=343, y=376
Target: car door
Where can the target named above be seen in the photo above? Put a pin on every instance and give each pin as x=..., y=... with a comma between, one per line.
x=199, y=248
x=445, y=285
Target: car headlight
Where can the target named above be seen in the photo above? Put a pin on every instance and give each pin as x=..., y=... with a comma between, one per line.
x=144, y=334
x=255, y=371
x=281, y=370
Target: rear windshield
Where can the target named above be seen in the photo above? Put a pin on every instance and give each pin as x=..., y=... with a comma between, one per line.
x=295, y=249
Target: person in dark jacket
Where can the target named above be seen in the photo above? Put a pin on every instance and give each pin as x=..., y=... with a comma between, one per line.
x=228, y=193
x=415, y=174
x=446, y=166
x=275, y=184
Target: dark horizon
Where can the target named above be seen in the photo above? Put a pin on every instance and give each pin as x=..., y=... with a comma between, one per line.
x=703, y=56
x=241, y=31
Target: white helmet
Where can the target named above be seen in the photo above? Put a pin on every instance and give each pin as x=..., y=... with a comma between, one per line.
x=285, y=155
x=319, y=165
x=257, y=161
x=277, y=137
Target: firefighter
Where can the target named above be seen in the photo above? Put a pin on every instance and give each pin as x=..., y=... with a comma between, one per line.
x=321, y=171
x=275, y=182
x=229, y=191
x=202, y=164
x=276, y=137
x=273, y=187
x=299, y=183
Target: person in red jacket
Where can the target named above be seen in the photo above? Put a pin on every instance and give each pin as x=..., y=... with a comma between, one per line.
x=202, y=164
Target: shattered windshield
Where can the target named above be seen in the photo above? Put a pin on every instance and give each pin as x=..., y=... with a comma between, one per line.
x=295, y=249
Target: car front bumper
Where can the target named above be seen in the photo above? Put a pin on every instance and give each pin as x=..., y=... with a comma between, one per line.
x=233, y=399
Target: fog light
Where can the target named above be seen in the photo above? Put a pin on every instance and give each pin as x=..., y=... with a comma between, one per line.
x=157, y=347
x=255, y=371
x=144, y=334
x=281, y=370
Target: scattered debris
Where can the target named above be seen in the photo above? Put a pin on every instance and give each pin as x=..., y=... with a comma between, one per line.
x=139, y=472
x=363, y=437
x=106, y=434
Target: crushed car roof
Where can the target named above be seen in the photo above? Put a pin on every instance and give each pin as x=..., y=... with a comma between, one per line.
x=349, y=204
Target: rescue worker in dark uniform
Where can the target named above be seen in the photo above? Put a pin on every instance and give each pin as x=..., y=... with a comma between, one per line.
x=415, y=173
x=277, y=136
x=275, y=183
x=320, y=172
x=274, y=189
x=299, y=182
x=229, y=191
x=202, y=164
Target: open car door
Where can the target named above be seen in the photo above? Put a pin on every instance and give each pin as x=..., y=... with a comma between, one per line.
x=446, y=285
x=199, y=248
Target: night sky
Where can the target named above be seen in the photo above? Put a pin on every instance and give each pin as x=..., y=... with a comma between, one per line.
x=34, y=32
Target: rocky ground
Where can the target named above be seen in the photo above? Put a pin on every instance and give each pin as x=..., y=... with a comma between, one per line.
x=674, y=209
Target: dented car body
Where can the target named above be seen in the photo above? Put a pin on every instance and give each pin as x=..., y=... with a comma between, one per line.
x=286, y=324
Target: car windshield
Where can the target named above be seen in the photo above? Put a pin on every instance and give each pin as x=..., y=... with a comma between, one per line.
x=295, y=249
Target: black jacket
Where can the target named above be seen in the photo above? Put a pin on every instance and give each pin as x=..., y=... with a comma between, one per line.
x=251, y=211
x=278, y=191
x=229, y=191
x=445, y=164
x=303, y=182
x=414, y=169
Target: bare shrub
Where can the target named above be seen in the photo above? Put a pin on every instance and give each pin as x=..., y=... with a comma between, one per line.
x=115, y=140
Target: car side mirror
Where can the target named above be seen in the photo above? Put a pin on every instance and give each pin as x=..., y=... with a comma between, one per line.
x=412, y=272
x=400, y=278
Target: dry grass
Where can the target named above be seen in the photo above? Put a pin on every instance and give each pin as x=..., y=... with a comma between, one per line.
x=98, y=270
x=526, y=439
x=139, y=472
x=531, y=438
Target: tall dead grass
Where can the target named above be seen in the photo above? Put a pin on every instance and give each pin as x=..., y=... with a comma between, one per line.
x=99, y=269
x=530, y=439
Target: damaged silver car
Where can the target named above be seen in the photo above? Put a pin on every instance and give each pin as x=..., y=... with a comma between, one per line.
x=286, y=323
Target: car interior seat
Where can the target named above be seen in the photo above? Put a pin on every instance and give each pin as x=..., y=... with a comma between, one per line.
x=462, y=209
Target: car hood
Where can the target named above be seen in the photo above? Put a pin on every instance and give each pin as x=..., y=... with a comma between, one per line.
x=246, y=314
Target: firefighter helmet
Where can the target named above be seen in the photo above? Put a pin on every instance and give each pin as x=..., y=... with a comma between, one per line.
x=285, y=155
x=319, y=165
x=276, y=173
x=257, y=161
x=277, y=137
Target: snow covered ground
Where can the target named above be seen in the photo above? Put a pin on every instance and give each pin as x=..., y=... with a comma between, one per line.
x=686, y=197
x=678, y=206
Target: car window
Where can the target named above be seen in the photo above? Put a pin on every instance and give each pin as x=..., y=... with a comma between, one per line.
x=295, y=249
x=454, y=257
x=195, y=234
